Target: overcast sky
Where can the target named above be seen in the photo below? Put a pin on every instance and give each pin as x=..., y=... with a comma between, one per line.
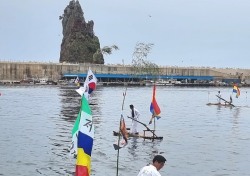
x=213, y=33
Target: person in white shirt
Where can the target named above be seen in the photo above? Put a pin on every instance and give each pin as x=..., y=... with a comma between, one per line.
x=135, y=115
x=219, y=96
x=153, y=169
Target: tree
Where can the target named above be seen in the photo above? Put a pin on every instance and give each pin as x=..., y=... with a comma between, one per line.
x=140, y=62
x=109, y=49
x=105, y=50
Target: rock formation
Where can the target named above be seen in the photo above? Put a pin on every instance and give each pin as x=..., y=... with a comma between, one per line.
x=79, y=43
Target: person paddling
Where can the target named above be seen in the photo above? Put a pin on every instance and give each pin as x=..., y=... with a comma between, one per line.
x=230, y=100
x=219, y=97
x=135, y=115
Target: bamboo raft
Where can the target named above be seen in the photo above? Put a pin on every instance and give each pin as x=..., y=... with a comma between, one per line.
x=142, y=135
x=226, y=104
x=221, y=104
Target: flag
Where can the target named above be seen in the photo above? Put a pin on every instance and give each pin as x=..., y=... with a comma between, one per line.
x=77, y=80
x=124, y=130
x=236, y=90
x=89, y=85
x=82, y=139
x=73, y=148
x=154, y=108
x=120, y=144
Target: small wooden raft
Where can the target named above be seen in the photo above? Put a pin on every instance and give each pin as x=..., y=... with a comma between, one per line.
x=226, y=102
x=143, y=135
x=221, y=104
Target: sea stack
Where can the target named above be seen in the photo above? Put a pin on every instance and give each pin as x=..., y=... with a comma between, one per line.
x=79, y=43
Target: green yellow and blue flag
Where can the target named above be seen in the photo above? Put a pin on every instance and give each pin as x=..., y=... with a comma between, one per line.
x=82, y=139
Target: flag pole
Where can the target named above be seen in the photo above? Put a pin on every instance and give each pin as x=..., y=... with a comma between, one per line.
x=154, y=116
x=119, y=136
x=154, y=128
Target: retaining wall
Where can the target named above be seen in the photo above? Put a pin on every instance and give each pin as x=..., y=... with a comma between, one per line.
x=24, y=70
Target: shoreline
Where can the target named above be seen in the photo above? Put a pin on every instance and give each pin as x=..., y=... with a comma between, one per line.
x=117, y=84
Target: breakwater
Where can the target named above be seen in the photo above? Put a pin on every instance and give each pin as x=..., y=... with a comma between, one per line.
x=17, y=71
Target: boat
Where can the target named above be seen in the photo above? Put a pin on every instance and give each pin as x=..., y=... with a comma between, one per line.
x=226, y=103
x=43, y=81
x=149, y=82
x=162, y=82
x=146, y=134
x=70, y=86
x=159, y=82
x=65, y=84
x=221, y=104
x=140, y=135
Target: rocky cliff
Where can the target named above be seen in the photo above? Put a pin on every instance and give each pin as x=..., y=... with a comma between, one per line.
x=79, y=43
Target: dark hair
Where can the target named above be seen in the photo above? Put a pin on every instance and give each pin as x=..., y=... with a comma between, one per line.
x=159, y=159
x=131, y=106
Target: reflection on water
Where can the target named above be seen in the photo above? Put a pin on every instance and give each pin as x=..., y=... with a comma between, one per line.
x=236, y=113
x=70, y=104
x=132, y=147
x=36, y=124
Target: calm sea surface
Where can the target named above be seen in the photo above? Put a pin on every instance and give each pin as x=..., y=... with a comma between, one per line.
x=199, y=140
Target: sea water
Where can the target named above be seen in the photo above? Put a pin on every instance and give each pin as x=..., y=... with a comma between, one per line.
x=36, y=124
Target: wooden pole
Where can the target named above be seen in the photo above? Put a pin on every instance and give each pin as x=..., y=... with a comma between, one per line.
x=119, y=136
x=154, y=128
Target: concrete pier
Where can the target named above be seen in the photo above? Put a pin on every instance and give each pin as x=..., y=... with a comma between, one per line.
x=16, y=71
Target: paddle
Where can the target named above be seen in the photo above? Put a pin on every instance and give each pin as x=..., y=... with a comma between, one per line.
x=144, y=125
x=225, y=101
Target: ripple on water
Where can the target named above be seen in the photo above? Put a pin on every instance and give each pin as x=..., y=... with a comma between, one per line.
x=35, y=132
